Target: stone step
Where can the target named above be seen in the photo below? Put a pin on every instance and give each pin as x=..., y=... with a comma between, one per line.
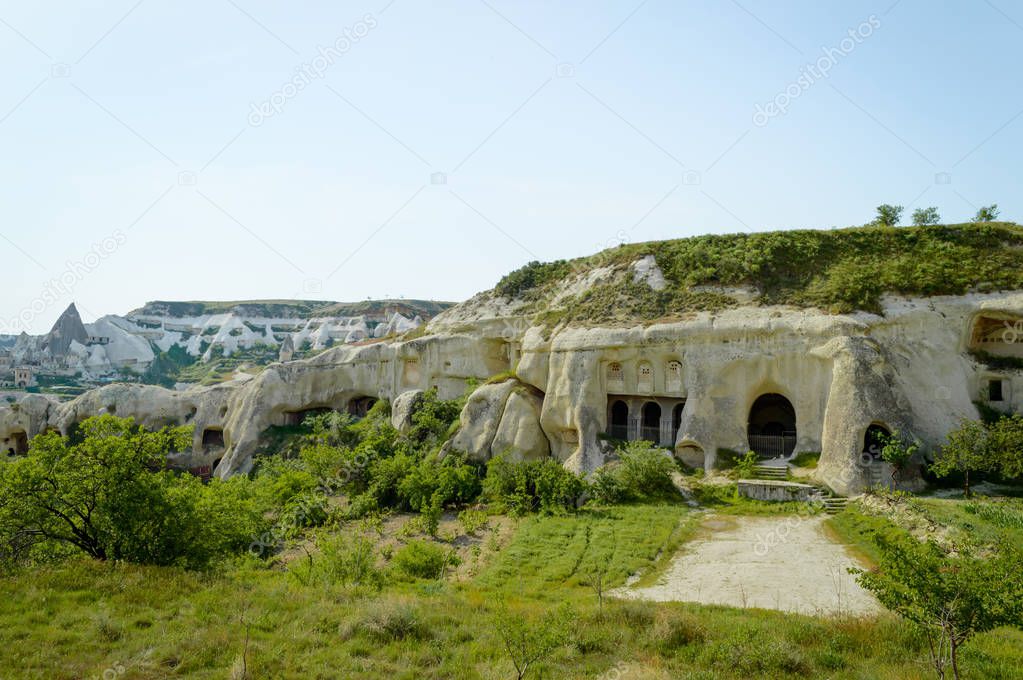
x=769, y=472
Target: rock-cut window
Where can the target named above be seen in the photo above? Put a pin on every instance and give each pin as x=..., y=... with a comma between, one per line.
x=674, y=377
x=646, y=377
x=615, y=375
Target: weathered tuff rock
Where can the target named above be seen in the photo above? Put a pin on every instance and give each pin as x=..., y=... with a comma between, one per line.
x=695, y=385
x=502, y=419
x=404, y=406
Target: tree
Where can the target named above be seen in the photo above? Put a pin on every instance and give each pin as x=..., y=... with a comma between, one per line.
x=106, y=494
x=988, y=213
x=888, y=215
x=897, y=453
x=923, y=217
x=949, y=598
x=528, y=643
x=966, y=450
x=1005, y=444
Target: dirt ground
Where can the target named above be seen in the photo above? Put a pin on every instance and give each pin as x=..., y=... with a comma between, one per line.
x=784, y=563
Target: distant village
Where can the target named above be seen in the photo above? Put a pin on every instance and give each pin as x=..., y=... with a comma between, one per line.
x=75, y=355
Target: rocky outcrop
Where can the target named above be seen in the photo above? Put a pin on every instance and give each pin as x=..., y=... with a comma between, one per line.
x=519, y=437
x=691, y=384
x=403, y=408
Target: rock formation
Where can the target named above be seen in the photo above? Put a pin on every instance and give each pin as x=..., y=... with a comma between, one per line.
x=779, y=379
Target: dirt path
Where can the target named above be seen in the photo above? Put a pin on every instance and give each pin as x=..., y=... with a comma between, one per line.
x=784, y=563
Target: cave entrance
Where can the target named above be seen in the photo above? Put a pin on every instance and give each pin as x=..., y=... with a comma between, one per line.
x=16, y=443
x=772, y=426
x=360, y=406
x=619, y=420
x=298, y=417
x=875, y=439
x=650, y=429
x=676, y=420
x=212, y=438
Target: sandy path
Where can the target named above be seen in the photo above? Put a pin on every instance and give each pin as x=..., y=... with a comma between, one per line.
x=785, y=563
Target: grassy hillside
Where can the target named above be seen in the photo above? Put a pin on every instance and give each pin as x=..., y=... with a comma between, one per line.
x=840, y=270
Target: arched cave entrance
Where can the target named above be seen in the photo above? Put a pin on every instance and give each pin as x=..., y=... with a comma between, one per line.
x=676, y=420
x=360, y=406
x=772, y=426
x=650, y=429
x=619, y=428
x=298, y=417
x=874, y=440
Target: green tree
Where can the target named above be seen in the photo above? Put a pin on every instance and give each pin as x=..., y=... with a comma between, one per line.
x=898, y=454
x=988, y=213
x=949, y=598
x=967, y=449
x=1005, y=443
x=888, y=215
x=107, y=495
x=923, y=217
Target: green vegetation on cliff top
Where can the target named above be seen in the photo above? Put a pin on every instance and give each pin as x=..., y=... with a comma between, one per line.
x=841, y=270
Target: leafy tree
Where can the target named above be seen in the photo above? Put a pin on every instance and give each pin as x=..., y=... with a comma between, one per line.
x=966, y=450
x=949, y=598
x=1005, y=444
x=923, y=217
x=108, y=496
x=988, y=213
x=898, y=454
x=888, y=215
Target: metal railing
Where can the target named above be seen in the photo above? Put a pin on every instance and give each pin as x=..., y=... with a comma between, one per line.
x=650, y=434
x=772, y=446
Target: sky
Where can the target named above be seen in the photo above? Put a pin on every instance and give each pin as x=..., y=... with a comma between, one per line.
x=344, y=150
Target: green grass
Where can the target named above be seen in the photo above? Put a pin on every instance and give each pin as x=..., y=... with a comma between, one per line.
x=840, y=270
x=724, y=499
x=81, y=618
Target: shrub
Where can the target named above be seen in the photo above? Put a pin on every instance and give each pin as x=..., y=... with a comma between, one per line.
x=472, y=520
x=674, y=629
x=394, y=620
x=342, y=560
x=745, y=465
x=643, y=472
x=420, y=559
x=543, y=486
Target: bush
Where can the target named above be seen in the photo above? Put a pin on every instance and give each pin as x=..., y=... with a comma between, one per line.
x=341, y=560
x=642, y=473
x=543, y=486
x=472, y=520
x=393, y=621
x=420, y=559
x=674, y=629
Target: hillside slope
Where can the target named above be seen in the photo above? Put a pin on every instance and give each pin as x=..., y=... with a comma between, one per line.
x=840, y=271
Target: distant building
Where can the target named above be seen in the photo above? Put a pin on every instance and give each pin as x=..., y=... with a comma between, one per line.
x=24, y=377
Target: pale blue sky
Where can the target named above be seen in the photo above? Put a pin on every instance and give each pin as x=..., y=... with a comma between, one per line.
x=646, y=131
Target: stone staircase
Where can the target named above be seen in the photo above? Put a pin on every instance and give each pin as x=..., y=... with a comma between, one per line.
x=771, y=472
x=831, y=503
